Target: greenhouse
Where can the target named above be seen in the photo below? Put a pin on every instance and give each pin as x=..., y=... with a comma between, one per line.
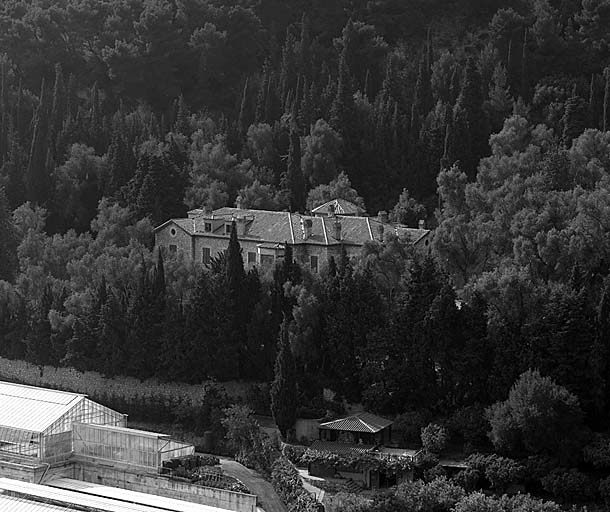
x=127, y=445
x=37, y=422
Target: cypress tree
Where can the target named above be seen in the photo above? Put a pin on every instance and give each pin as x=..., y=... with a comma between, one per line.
x=422, y=102
x=295, y=179
x=283, y=388
x=341, y=111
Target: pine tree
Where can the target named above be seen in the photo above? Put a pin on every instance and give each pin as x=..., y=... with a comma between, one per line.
x=574, y=118
x=182, y=117
x=294, y=175
x=58, y=111
x=38, y=181
x=284, y=388
x=606, y=106
x=469, y=123
x=13, y=169
x=8, y=241
x=243, y=120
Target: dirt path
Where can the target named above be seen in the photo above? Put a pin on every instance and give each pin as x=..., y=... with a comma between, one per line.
x=267, y=497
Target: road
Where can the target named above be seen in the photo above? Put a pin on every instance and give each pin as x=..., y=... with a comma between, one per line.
x=267, y=497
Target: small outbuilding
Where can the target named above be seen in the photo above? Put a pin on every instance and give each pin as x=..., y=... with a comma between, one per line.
x=360, y=428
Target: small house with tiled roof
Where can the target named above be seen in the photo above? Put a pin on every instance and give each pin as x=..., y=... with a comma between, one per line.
x=360, y=428
x=263, y=234
x=353, y=448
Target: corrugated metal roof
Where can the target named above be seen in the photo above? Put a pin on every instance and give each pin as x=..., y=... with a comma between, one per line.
x=33, y=409
x=340, y=448
x=12, y=504
x=361, y=422
x=126, y=430
x=62, y=497
x=132, y=496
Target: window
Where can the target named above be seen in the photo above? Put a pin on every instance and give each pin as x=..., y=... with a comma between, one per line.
x=251, y=257
x=313, y=263
x=172, y=231
x=227, y=229
x=173, y=248
x=207, y=227
x=206, y=255
x=267, y=259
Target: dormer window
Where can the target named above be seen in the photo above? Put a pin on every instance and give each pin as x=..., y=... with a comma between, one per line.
x=207, y=227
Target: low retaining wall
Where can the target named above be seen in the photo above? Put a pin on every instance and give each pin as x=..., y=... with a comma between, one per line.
x=141, y=481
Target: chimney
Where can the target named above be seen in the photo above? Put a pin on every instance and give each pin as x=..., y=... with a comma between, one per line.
x=240, y=224
x=331, y=209
x=383, y=216
x=380, y=230
x=337, y=229
x=238, y=202
x=421, y=224
x=306, y=225
x=207, y=210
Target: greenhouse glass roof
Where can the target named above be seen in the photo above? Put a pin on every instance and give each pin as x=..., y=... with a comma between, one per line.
x=33, y=409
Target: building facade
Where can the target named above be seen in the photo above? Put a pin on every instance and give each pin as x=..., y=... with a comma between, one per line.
x=264, y=234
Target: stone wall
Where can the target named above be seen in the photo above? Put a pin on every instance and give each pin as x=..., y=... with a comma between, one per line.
x=130, y=478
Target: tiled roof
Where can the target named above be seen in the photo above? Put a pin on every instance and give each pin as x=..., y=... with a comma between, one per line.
x=340, y=448
x=281, y=227
x=339, y=207
x=361, y=422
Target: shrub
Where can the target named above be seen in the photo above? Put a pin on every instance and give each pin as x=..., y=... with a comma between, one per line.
x=539, y=417
x=440, y=494
x=435, y=472
x=434, y=438
x=503, y=472
x=597, y=453
x=409, y=425
x=536, y=468
x=249, y=444
x=347, y=502
x=569, y=484
x=477, y=502
x=289, y=487
x=471, y=424
x=293, y=452
x=604, y=490
x=525, y=503
x=469, y=479
x=500, y=472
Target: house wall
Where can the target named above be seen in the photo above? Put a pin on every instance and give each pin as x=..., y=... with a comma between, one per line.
x=192, y=247
x=182, y=240
x=307, y=428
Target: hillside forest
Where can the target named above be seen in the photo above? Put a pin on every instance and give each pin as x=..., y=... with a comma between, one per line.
x=489, y=119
